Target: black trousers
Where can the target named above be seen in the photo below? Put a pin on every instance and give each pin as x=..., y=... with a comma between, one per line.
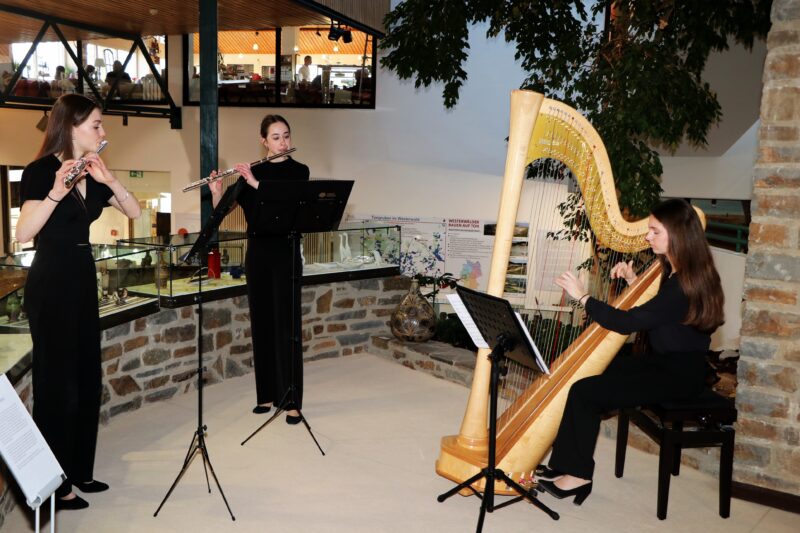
x=269, y=290
x=61, y=302
x=628, y=382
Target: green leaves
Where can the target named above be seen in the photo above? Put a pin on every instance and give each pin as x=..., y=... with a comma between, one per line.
x=634, y=71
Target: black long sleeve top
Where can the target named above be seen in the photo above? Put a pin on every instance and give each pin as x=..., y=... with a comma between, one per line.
x=251, y=199
x=660, y=317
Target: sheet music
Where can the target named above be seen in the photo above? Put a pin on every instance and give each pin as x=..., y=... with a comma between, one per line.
x=539, y=359
x=24, y=449
x=466, y=319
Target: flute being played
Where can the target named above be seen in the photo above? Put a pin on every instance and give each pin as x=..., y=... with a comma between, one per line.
x=69, y=180
x=232, y=171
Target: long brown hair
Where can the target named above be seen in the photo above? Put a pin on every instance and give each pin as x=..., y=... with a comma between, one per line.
x=694, y=266
x=69, y=110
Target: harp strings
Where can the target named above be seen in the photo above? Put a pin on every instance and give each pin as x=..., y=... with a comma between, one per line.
x=559, y=239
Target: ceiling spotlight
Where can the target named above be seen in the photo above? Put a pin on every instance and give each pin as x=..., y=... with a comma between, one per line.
x=255, y=46
x=318, y=33
x=335, y=32
x=335, y=47
x=296, y=48
x=347, y=36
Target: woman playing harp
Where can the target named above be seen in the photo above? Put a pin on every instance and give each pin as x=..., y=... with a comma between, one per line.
x=575, y=224
x=679, y=321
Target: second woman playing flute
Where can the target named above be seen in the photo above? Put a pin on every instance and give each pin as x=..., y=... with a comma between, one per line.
x=268, y=267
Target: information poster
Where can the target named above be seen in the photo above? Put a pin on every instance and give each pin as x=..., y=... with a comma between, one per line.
x=24, y=450
x=469, y=252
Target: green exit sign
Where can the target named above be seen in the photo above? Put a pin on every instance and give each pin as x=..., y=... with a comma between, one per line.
x=136, y=173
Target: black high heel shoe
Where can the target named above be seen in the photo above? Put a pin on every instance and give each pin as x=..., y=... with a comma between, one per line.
x=73, y=504
x=90, y=486
x=580, y=493
x=261, y=409
x=545, y=473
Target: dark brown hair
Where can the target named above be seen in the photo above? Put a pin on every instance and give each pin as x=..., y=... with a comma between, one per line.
x=269, y=120
x=694, y=266
x=69, y=110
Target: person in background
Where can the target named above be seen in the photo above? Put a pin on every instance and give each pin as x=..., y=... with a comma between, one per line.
x=268, y=267
x=305, y=70
x=61, y=289
x=679, y=321
x=117, y=73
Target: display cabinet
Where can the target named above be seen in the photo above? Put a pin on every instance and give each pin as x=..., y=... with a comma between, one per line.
x=356, y=250
x=117, y=267
x=177, y=279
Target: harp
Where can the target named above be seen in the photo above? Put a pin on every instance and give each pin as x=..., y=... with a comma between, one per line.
x=555, y=139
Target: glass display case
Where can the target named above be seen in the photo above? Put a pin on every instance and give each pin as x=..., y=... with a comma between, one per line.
x=175, y=276
x=356, y=250
x=117, y=267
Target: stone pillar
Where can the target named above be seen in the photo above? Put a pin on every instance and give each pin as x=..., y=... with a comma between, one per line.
x=768, y=395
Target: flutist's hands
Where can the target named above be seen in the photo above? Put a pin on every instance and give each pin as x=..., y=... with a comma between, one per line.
x=60, y=190
x=570, y=283
x=97, y=169
x=244, y=170
x=625, y=271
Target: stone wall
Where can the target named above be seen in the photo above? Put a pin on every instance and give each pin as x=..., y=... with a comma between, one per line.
x=767, y=397
x=155, y=357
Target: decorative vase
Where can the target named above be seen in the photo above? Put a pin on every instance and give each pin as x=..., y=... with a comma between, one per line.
x=414, y=319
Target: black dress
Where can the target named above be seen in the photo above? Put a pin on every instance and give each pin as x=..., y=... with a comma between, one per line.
x=674, y=370
x=61, y=303
x=268, y=266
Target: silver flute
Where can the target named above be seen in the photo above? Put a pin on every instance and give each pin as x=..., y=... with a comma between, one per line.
x=233, y=171
x=78, y=167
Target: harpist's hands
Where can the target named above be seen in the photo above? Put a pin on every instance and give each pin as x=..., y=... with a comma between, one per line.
x=59, y=190
x=624, y=271
x=570, y=283
x=247, y=174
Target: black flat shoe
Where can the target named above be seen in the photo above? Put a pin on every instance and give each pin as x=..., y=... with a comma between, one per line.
x=580, y=493
x=72, y=504
x=293, y=420
x=545, y=473
x=90, y=486
x=261, y=409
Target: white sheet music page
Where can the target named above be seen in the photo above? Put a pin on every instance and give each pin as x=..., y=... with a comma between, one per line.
x=24, y=449
x=466, y=319
x=539, y=359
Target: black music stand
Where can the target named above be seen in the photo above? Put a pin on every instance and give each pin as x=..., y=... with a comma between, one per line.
x=291, y=208
x=199, y=251
x=498, y=324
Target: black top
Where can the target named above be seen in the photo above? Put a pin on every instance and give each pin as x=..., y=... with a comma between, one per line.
x=661, y=318
x=69, y=222
x=249, y=198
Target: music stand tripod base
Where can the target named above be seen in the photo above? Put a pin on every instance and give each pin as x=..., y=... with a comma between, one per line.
x=497, y=322
x=198, y=439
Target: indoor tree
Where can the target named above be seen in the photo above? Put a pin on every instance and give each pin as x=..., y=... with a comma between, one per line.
x=633, y=68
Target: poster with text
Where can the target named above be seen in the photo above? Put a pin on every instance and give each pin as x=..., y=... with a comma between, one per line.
x=469, y=252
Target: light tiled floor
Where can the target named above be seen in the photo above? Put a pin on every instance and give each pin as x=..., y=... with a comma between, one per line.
x=380, y=425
